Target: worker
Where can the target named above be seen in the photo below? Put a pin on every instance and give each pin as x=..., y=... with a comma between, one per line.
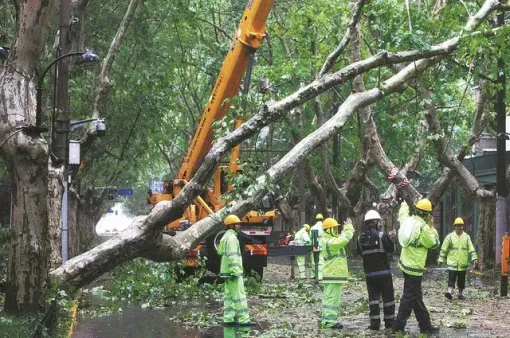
x=302, y=237
x=460, y=253
x=374, y=246
x=416, y=236
x=231, y=270
x=333, y=241
x=317, y=254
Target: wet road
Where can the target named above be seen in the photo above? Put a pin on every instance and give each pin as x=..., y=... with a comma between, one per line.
x=134, y=322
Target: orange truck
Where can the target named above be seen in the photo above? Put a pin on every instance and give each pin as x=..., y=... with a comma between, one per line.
x=257, y=225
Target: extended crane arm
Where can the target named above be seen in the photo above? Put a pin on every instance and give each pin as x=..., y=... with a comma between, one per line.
x=248, y=37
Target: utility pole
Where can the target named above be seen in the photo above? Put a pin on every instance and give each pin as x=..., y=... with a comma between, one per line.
x=501, y=212
x=61, y=144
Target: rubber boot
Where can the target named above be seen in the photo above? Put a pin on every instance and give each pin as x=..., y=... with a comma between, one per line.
x=374, y=324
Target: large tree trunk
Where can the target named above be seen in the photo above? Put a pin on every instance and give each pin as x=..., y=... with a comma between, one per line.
x=28, y=259
x=74, y=219
x=291, y=221
x=486, y=231
x=83, y=216
x=26, y=156
x=54, y=203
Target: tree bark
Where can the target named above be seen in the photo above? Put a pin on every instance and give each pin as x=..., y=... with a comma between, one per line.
x=54, y=202
x=486, y=231
x=83, y=217
x=307, y=172
x=28, y=258
x=25, y=154
x=287, y=213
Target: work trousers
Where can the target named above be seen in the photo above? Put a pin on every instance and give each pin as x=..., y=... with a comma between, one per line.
x=412, y=300
x=301, y=263
x=330, y=304
x=321, y=264
x=235, y=331
x=376, y=287
x=457, y=276
x=234, y=301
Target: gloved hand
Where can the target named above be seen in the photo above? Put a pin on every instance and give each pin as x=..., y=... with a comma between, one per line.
x=392, y=174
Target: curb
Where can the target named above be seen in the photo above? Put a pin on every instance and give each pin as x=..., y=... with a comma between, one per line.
x=74, y=310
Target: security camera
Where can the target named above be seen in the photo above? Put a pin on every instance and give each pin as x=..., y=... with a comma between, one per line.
x=100, y=128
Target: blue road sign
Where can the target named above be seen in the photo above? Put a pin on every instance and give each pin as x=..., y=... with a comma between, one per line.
x=125, y=192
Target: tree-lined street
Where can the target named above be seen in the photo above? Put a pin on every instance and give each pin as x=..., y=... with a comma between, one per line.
x=345, y=107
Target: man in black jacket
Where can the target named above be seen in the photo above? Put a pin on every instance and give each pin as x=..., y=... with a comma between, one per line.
x=374, y=246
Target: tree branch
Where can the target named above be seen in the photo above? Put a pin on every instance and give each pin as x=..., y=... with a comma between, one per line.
x=103, y=83
x=331, y=59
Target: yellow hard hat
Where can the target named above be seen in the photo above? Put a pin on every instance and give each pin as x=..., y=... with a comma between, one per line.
x=458, y=221
x=424, y=204
x=232, y=219
x=319, y=217
x=307, y=226
x=329, y=223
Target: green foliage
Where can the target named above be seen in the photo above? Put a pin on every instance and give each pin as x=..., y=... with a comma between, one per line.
x=5, y=236
x=53, y=322
x=168, y=62
x=16, y=327
x=157, y=284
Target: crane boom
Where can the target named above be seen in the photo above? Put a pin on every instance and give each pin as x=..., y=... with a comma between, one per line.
x=248, y=37
x=257, y=224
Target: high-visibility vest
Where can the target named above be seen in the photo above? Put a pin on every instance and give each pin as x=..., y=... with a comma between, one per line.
x=422, y=238
x=335, y=259
x=230, y=252
x=459, y=252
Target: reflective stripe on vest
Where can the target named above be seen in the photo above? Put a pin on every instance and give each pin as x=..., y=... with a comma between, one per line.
x=378, y=273
x=409, y=268
x=334, y=278
x=379, y=250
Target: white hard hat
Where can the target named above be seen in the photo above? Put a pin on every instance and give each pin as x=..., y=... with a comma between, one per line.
x=372, y=214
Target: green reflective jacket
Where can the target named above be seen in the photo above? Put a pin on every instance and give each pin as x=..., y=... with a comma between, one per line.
x=231, y=260
x=423, y=237
x=302, y=236
x=335, y=260
x=460, y=251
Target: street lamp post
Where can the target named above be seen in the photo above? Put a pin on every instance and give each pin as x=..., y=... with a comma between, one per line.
x=84, y=57
x=62, y=153
x=74, y=159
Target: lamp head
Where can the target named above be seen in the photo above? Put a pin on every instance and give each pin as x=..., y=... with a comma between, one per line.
x=100, y=128
x=87, y=57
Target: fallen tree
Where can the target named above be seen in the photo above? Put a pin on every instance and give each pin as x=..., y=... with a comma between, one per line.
x=144, y=237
